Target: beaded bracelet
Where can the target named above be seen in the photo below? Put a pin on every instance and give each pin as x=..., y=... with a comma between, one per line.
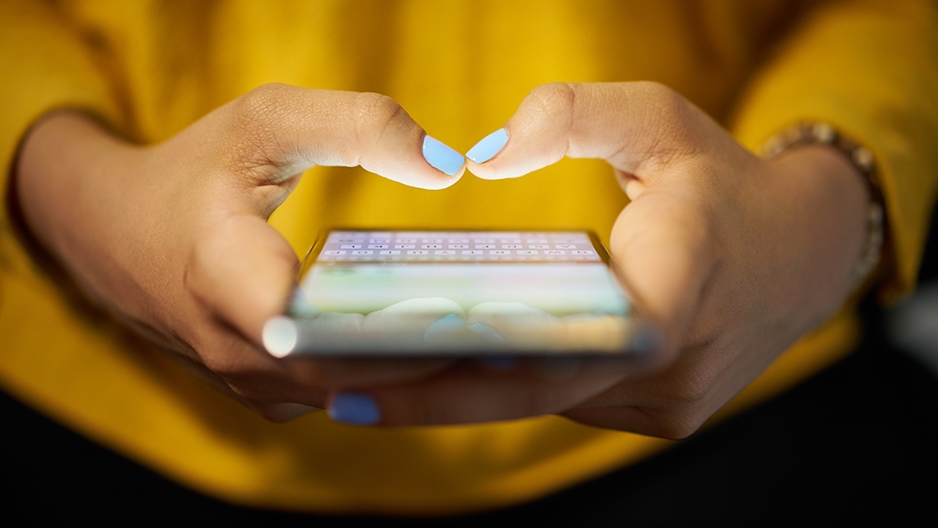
x=862, y=159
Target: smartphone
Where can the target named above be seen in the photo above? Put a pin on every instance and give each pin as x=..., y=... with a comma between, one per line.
x=459, y=293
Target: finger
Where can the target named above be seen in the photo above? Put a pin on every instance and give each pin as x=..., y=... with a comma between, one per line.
x=635, y=420
x=406, y=324
x=519, y=326
x=663, y=247
x=283, y=412
x=473, y=393
x=271, y=386
x=290, y=129
x=637, y=127
x=237, y=368
x=242, y=270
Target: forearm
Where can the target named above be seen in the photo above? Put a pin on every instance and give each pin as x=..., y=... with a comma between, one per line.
x=58, y=182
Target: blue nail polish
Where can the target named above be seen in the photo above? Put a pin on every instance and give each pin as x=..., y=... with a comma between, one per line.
x=490, y=145
x=354, y=409
x=442, y=157
x=487, y=333
x=447, y=324
x=645, y=342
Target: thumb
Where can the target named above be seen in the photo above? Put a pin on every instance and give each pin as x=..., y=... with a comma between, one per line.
x=638, y=127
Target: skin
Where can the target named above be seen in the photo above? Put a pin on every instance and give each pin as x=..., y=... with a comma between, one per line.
x=731, y=256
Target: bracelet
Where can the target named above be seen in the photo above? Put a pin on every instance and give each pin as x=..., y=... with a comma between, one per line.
x=862, y=160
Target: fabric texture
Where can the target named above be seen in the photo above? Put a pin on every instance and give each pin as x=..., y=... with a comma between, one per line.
x=150, y=68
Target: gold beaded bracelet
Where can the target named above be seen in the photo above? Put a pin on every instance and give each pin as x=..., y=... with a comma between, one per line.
x=862, y=159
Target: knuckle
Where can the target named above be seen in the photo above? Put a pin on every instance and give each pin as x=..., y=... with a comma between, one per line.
x=257, y=116
x=261, y=105
x=664, y=98
x=376, y=113
x=678, y=427
x=684, y=411
x=690, y=392
x=224, y=366
x=670, y=119
x=554, y=99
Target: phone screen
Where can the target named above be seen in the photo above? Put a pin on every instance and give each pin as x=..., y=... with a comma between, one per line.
x=382, y=292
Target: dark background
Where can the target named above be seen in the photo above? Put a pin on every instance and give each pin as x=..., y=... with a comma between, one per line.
x=861, y=438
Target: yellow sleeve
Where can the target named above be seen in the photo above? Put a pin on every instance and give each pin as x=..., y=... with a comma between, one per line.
x=869, y=68
x=45, y=66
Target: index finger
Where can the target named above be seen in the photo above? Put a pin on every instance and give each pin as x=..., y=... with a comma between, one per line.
x=288, y=130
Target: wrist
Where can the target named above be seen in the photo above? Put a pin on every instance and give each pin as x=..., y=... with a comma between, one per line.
x=824, y=200
x=822, y=135
x=52, y=182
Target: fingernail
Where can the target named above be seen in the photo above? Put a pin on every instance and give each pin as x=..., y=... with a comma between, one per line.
x=487, y=333
x=442, y=157
x=447, y=324
x=490, y=145
x=354, y=409
x=280, y=336
x=645, y=342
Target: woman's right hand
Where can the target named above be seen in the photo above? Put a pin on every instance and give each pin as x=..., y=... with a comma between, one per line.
x=174, y=239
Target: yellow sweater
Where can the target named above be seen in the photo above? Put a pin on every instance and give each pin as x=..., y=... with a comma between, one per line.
x=460, y=68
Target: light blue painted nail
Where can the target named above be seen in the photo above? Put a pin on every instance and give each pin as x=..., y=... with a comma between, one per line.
x=442, y=157
x=645, y=342
x=487, y=333
x=354, y=409
x=447, y=324
x=490, y=145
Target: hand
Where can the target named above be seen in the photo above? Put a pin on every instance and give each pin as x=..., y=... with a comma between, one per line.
x=733, y=257
x=173, y=238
